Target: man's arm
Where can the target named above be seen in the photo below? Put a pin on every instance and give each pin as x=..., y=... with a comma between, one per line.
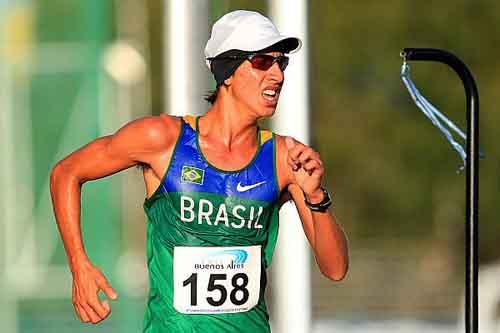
x=141, y=141
x=303, y=171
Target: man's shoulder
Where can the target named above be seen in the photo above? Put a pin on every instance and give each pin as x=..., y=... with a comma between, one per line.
x=152, y=133
x=158, y=125
x=158, y=128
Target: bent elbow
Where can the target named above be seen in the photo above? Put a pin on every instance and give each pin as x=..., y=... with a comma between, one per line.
x=60, y=173
x=338, y=277
x=335, y=274
x=55, y=174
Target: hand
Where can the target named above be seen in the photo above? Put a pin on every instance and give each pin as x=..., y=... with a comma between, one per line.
x=87, y=281
x=307, y=168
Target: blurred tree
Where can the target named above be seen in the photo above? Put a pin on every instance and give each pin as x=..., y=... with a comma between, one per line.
x=393, y=172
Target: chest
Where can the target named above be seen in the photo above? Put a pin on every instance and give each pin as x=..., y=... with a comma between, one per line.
x=237, y=158
x=196, y=168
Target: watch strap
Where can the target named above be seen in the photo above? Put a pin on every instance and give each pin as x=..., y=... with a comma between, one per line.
x=321, y=206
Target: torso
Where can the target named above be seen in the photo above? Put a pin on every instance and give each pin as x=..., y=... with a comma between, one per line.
x=199, y=215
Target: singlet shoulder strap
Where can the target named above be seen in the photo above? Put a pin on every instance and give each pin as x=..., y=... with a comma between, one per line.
x=265, y=135
x=191, y=120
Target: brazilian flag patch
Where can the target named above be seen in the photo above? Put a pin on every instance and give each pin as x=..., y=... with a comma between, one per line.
x=192, y=175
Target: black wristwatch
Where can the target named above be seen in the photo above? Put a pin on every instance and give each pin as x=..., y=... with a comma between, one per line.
x=321, y=206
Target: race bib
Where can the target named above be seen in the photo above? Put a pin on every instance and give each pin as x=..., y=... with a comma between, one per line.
x=216, y=279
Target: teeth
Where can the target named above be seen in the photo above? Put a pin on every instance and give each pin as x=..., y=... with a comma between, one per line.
x=269, y=92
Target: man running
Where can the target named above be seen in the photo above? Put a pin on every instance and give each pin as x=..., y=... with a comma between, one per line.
x=214, y=185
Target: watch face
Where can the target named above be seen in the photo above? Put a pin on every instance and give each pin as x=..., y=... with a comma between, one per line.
x=327, y=196
x=327, y=201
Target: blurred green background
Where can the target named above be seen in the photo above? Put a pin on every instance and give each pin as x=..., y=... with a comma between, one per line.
x=393, y=175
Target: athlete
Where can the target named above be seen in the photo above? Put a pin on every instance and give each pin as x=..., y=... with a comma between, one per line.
x=214, y=186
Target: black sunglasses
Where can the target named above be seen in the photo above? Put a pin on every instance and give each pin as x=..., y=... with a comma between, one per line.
x=260, y=61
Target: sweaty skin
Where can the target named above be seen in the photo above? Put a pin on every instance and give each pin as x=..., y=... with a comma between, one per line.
x=227, y=135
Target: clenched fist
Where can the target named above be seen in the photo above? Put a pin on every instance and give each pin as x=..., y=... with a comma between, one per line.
x=307, y=168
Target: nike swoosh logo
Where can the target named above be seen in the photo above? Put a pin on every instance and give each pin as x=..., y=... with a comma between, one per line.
x=243, y=188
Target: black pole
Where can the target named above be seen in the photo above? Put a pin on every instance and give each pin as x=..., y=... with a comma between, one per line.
x=472, y=174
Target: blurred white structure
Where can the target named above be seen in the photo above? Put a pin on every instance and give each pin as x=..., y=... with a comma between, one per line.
x=489, y=299
x=186, y=75
x=291, y=272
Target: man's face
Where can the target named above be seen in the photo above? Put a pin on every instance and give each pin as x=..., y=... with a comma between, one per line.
x=258, y=89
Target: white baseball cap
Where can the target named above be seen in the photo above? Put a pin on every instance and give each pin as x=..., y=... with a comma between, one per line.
x=246, y=31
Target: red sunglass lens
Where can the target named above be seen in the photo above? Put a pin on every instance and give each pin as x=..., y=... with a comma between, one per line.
x=264, y=61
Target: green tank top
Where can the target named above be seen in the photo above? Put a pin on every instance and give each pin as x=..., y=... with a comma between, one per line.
x=211, y=234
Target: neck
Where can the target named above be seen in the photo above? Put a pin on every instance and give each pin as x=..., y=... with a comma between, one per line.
x=231, y=123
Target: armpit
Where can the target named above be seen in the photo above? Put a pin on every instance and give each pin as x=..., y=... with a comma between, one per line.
x=284, y=197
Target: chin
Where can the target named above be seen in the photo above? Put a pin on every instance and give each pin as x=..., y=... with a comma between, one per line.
x=266, y=112
x=267, y=109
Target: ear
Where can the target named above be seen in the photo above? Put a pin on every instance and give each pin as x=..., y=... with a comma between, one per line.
x=228, y=81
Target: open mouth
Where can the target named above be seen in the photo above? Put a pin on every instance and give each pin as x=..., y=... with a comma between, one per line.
x=271, y=95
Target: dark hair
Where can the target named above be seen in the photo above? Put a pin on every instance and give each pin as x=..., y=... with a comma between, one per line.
x=211, y=96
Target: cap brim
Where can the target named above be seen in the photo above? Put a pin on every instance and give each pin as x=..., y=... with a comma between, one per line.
x=280, y=43
x=284, y=44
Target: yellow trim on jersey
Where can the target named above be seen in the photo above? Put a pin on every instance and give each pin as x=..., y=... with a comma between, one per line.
x=265, y=135
x=191, y=120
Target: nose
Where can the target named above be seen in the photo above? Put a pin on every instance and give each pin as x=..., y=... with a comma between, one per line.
x=276, y=73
